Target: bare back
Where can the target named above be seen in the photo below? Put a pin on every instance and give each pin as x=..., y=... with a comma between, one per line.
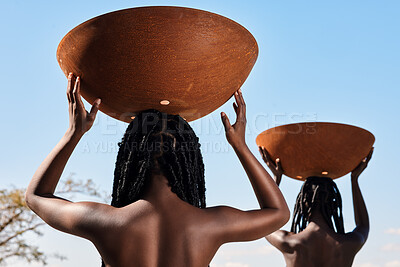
x=143, y=234
x=160, y=229
x=317, y=246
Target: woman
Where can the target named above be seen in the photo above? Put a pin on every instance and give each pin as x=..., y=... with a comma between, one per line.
x=158, y=215
x=317, y=236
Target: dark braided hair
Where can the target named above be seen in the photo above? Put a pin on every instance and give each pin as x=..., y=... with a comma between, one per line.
x=322, y=193
x=156, y=142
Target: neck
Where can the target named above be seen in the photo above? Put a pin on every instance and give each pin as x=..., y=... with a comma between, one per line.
x=318, y=219
x=158, y=191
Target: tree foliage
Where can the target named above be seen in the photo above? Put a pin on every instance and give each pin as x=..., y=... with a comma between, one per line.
x=17, y=221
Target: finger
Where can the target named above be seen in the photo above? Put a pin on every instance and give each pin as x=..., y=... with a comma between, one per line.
x=239, y=110
x=235, y=107
x=242, y=102
x=70, y=87
x=241, y=96
x=370, y=154
x=267, y=154
x=262, y=151
x=94, y=109
x=238, y=101
x=279, y=164
x=225, y=121
x=368, y=157
x=77, y=91
x=236, y=94
x=268, y=157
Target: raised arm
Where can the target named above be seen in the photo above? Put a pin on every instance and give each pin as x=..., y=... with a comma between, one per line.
x=57, y=212
x=274, y=212
x=360, y=233
x=278, y=239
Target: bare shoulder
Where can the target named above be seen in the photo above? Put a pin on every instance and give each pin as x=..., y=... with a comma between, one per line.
x=98, y=217
x=353, y=240
x=285, y=241
x=94, y=215
x=235, y=225
x=220, y=215
x=78, y=218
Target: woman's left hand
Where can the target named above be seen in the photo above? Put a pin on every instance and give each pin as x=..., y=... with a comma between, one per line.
x=80, y=121
x=274, y=166
x=362, y=166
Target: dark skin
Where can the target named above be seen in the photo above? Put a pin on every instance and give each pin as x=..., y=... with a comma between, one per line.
x=149, y=232
x=318, y=245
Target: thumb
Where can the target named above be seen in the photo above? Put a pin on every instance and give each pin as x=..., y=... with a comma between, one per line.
x=225, y=121
x=95, y=108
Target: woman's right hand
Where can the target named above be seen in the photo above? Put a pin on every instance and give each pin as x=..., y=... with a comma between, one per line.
x=274, y=166
x=235, y=134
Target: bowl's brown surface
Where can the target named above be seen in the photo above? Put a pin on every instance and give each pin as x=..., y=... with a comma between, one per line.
x=134, y=59
x=317, y=149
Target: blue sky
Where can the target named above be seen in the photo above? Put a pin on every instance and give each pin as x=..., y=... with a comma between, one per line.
x=332, y=61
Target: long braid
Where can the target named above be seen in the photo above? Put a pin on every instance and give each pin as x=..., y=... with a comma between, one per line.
x=319, y=192
x=167, y=142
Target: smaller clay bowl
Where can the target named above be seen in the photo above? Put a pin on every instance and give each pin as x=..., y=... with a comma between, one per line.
x=317, y=149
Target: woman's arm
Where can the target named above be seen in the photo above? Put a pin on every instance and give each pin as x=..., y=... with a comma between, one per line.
x=274, y=212
x=278, y=239
x=40, y=197
x=360, y=210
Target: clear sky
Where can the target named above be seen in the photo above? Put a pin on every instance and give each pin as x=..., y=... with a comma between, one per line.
x=332, y=61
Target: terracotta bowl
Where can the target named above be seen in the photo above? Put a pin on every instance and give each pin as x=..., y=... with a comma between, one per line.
x=317, y=149
x=177, y=60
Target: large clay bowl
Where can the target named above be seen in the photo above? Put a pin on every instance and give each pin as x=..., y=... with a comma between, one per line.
x=317, y=149
x=177, y=60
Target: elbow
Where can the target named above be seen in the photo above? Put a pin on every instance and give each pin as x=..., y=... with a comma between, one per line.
x=285, y=214
x=277, y=220
x=283, y=211
x=29, y=198
x=281, y=216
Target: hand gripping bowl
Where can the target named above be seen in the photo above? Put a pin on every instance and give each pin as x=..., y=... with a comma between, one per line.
x=177, y=60
x=317, y=148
